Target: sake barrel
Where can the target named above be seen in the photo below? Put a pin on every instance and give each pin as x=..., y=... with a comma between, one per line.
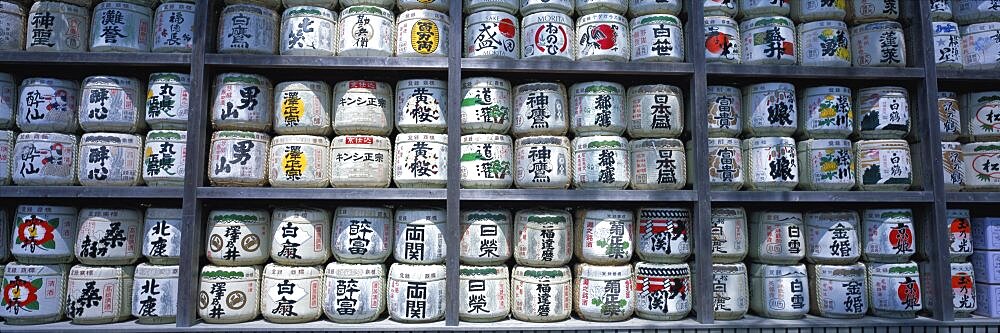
x=888, y=235
x=548, y=35
x=44, y=234
x=486, y=161
x=661, y=235
x=978, y=49
x=757, y=8
x=57, y=27
x=824, y=43
x=603, y=293
x=110, y=159
x=544, y=238
x=291, y=294
x=780, y=292
x=238, y=237
x=99, y=295
x=832, y=238
x=826, y=165
x=416, y=293
x=814, y=10
x=895, y=289
x=597, y=108
x=486, y=237
x=354, y=293
x=973, y=11
x=362, y=107
x=308, y=30
x=109, y=236
x=657, y=164
x=940, y=10
x=422, y=33
x=725, y=8
x=874, y=10
x=164, y=158
x=48, y=105
x=586, y=7
x=541, y=294
x=730, y=291
x=839, y=292
x=421, y=106
x=606, y=236
x=656, y=111
x=362, y=234
x=600, y=162
x=44, y=159
x=529, y=7
x=12, y=29
x=486, y=105
x=663, y=291
x=173, y=28
x=162, y=232
x=8, y=102
x=168, y=101
x=947, y=45
x=769, y=109
x=437, y=5
x=953, y=166
x=299, y=161
x=302, y=107
x=543, y=162
x=242, y=102
x=771, y=163
x=229, y=294
x=825, y=112
x=723, y=43
x=248, y=29
x=366, y=31
x=6, y=157
x=878, y=44
x=883, y=165
x=960, y=237
x=120, y=27
x=540, y=108
x=420, y=236
x=34, y=294
x=602, y=36
x=982, y=160
x=983, y=115
x=729, y=235
x=154, y=293
x=768, y=40
x=421, y=160
x=300, y=237
x=638, y=8
x=491, y=34
x=777, y=237
x=360, y=161
x=487, y=290
x=238, y=158
x=725, y=104
x=658, y=37
x=963, y=288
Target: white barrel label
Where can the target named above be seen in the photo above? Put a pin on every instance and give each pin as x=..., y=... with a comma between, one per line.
x=366, y=236
x=662, y=290
x=162, y=238
x=543, y=298
x=418, y=242
x=884, y=165
x=898, y=291
x=839, y=240
x=606, y=299
x=105, y=161
x=168, y=98
x=841, y=290
x=173, y=27
x=48, y=105
x=107, y=239
x=544, y=243
x=663, y=233
x=543, y=164
x=235, y=158
x=164, y=156
x=98, y=298
x=289, y=238
x=485, y=237
x=357, y=293
x=155, y=297
x=606, y=236
x=891, y=236
x=416, y=301
x=291, y=298
x=549, y=35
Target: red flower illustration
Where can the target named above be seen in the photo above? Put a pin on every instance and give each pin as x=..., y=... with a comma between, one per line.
x=35, y=232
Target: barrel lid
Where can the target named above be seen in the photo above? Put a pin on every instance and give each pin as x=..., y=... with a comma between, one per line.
x=656, y=144
x=655, y=19
x=777, y=271
x=300, y=215
x=602, y=273
x=979, y=27
x=111, y=214
x=58, y=7
x=654, y=89
x=278, y=271
x=599, y=142
x=145, y=270
x=164, y=213
x=16, y=268
x=365, y=10
x=490, y=15
x=421, y=216
x=252, y=8
x=233, y=274
x=822, y=25
x=318, y=87
x=966, y=148
x=829, y=218
x=240, y=135
x=339, y=269
x=421, y=83
x=241, y=78
x=309, y=11
x=416, y=273
x=409, y=137
x=766, y=21
x=384, y=212
x=362, y=86
x=724, y=142
x=875, y=26
x=167, y=135
x=661, y=270
x=100, y=272
x=361, y=142
x=957, y=213
x=886, y=214
x=544, y=218
x=901, y=269
x=301, y=140
x=601, y=17
x=540, y=86
x=44, y=209
x=414, y=14
x=248, y=216
x=729, y=213
x=736, y=268
x=543, y=140
x=486, y=138
x=856, y=270
x=126, y=82
x=486, y=216
x=537, y=275
x=776, y=217
x=546, y=17
x=129, y=140
x=48, y=81
x=723, y=90
x=596, y=87
x=483, y=272
x=170, y=77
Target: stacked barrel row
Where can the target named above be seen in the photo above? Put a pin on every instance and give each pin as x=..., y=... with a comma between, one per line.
x=115, y=26
x=970, y=129
x=115, y=148
x=963, y=31
x=81, y=264
x=986, y=242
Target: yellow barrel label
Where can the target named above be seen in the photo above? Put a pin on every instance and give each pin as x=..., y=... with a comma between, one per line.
x=425, y=36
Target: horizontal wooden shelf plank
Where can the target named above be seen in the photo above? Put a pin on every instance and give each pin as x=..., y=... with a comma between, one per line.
x=98, y=192
x=823, y=196
x=387, y=64
x=117, y=59
x=575, y=195
x=991, y=198
x=968, y=75
x=812, y=72
x=577, y=67
x=271, y=193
